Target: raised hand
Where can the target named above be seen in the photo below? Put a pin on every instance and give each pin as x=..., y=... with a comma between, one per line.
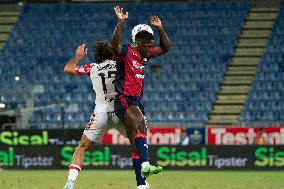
x=155, y=21
x=119, y=13
x=81, y=52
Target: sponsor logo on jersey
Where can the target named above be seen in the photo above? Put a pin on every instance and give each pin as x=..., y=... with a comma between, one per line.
x=108, y=66
x=136, y=65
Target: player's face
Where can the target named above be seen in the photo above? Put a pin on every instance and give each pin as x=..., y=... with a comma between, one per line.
x=145, y=46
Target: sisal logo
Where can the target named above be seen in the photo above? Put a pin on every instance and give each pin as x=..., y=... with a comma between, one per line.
x=15, y=138
x=7, y=157
x=95, y=158
x=170, y=156
x=269, y=157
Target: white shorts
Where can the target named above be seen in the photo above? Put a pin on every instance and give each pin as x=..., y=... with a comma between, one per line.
x=101, y=122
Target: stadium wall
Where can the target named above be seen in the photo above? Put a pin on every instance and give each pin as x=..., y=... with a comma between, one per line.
x=174, y=157
x=53, y=149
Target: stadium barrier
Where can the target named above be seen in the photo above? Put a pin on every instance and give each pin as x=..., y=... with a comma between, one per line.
x=243, y=135
x=156, y=136
x=171, y=157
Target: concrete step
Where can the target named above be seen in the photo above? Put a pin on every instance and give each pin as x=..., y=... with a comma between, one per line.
x=220, y=123
x=6, y=28
x=10, y=7
x=1, y=45
x=8, y=20
x=245, y=61
x=231, y=99
x=234, y=89
x=255, y=33
x=225, y=108
x=4, y=36
x=238, y=78
x=248, y=51
x=240, y=92
x=241, y=68
x=10, y=13
x=261, y=15
x=237, y=72
x=251, y=43
x=228, y=117
x=214, y=112
x=235, y=81
x=233, y=92
x=258, y=24
x=264, y=9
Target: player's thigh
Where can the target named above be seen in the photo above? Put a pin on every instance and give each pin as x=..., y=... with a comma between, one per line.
x=116, y=123
x=96, y=126
x=134, y=118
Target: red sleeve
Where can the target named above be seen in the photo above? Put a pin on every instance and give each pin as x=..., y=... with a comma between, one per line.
x=151, y=52
x=83, y=70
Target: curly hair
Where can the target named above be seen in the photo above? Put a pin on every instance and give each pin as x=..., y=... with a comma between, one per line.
x=103, y=51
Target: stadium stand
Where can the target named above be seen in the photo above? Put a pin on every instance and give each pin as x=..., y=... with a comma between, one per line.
x=183, y=90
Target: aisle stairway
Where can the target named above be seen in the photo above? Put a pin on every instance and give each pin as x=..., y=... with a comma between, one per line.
x=242, y=69
x=8, y=17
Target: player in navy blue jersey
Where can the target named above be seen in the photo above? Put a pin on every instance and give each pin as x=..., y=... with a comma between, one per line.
x=131, y=61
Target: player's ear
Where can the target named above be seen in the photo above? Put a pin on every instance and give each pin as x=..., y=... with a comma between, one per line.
x=139, y=43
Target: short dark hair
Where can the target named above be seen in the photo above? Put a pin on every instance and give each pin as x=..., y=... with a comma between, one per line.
x=144, y=35
x=103, y=51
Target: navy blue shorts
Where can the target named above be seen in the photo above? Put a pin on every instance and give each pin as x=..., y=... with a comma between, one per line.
x=121, y=103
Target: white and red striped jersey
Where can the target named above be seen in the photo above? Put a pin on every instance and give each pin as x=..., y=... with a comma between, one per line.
x=103, y=78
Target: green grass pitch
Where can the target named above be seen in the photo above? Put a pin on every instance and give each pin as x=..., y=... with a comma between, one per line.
x=102, y=179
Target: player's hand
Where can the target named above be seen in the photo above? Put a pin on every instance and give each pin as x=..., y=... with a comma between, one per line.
x=119, y=13
x=81, y=52
x=155, y=21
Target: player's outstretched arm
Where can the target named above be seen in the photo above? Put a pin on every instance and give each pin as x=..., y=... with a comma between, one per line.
x=164, y=40
x=118, y=29
x=71, y=65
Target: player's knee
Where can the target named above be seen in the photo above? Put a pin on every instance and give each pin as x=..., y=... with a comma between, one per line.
x=141, y=124
x=90, y=146
x=86, y=143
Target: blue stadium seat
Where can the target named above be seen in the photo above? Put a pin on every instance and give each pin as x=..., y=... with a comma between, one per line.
x=46, y=36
